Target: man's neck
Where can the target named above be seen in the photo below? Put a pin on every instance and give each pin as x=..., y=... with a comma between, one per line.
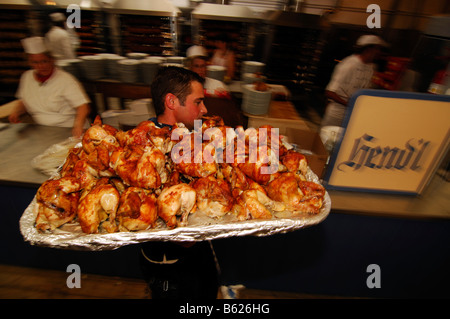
x=42, y=79
x=364, y=58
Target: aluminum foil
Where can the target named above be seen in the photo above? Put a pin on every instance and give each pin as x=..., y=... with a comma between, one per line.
x=200, y=227
x=52, y=159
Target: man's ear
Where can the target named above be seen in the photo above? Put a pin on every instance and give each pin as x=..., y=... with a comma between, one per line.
x=170, y=101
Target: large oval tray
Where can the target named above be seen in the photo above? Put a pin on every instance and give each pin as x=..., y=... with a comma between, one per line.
x=200, y=228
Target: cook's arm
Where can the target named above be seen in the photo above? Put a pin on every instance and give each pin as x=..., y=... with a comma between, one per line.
x=80, y=118
x=335, y=97
x=18, y=111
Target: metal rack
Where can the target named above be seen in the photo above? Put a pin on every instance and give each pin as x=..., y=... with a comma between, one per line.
x=147, y=34
x=91, y=33
x=14, y=26
x=293, y=48
x=147, y=26
x=12, y=58
x=238, y=22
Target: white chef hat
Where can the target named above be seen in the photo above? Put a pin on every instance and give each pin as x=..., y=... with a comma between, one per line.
x=57, y=16
x=34, y=45
x=370, y=40
x=195, y=51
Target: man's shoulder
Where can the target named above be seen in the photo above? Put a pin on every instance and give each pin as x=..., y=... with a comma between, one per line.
x=349, y=62
x=351, y=59
x=159, y=125
x=57, y=32
x=27, y=73
x=63, y=75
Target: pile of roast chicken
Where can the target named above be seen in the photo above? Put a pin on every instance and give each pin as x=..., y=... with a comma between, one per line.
x=130, y=180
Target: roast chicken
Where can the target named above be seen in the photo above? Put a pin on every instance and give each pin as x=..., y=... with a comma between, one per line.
x=97, y=207
x=140, y=166
x=129, y=180
x=137, y=209
x=213, y=196
x=57, y=202
x=297, y=194
x=177, y=200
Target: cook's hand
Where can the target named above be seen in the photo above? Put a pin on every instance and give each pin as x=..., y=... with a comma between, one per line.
x=77, y=132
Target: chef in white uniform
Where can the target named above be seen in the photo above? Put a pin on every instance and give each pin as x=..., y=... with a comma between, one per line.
x=197, y=61
x=50, y=95
x=350, y=75
x=58, y=40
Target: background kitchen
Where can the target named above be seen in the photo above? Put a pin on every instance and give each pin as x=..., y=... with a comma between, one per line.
x=294, y=47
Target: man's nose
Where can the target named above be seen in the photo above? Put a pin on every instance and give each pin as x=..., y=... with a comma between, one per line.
x=203, y=109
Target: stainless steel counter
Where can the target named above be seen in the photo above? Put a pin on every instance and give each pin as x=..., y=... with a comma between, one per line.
x=19, y=144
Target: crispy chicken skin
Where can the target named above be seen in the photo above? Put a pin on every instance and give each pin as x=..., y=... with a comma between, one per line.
x=177, y=200
x=213, y=196
x=259, y=160
x=70, y=162
x=58, y=200
x=97, y=134
x=295, y=162
x=253, y=203
x=146, y=133
x=96, y=206
x=137, y=209
x=140, y=166
x=189, y=159
x=298, y=195
x=235, y=177
x=85, y=173
x=250, y=205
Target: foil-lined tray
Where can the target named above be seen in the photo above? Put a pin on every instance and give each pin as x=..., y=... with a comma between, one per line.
x=51, y=160
x=200, y=228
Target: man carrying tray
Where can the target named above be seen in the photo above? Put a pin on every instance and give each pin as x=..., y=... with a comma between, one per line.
x=179, y=270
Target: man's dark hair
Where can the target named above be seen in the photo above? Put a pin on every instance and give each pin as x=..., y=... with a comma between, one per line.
x=175, y=80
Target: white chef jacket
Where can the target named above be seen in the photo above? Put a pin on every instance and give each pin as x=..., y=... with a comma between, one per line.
x=215, y=87
x=59, y=43
x=53, y=102
x=219, y=60
x=350, y=75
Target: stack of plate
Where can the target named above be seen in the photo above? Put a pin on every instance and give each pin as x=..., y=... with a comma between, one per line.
x=93, y=67
x=249, y=78
x=137, y=55
x=216, y=72
x=75, y=67
x=71, y=65
x=175, y=59
x=163, y=59
x=110, y=62
x=128, y=70
x=252, y=67
x=255, y=102
x=63, y=64
x=112, y=65
x=149, y=67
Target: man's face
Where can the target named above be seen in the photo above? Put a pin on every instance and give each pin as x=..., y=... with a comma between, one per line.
x=199, y=66
x=374, y=53
x=41, y=63
x=193, y=108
